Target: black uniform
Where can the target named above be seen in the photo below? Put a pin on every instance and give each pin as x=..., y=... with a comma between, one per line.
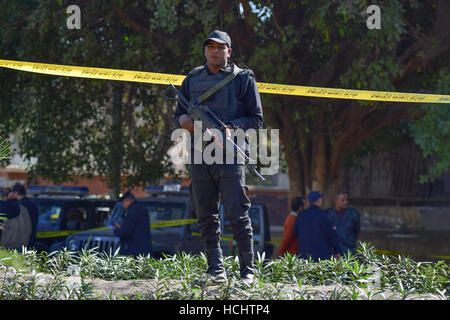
x=237, y=103
x=134, y=234
x=34, y=216
x=9, y=208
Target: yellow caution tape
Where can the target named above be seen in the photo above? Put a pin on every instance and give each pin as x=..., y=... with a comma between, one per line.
x=398, y=253
x=172, y=223
x=352, y=94
x=55, y=234
x=276, y=243
x=162, y=224
x=388, y=252
x=440, y=257
x=230, y=238
x=93, y=73
x=271, y=88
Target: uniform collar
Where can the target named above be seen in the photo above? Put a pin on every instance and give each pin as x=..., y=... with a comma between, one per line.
x=132, y=204
x=227, y=69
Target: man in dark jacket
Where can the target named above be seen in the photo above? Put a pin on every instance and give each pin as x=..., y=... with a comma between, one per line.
x=346, y=221
x=134, y=233
x=316, y=237
x=9, y=206
x=32, y=211
x=16, y=229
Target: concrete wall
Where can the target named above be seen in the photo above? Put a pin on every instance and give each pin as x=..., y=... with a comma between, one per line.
x=411, y=217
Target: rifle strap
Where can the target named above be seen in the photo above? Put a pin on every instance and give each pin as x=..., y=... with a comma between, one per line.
x=219, y=85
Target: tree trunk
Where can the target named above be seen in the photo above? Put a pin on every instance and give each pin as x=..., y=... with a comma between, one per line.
x=318, y=162
x=289, y=138
x=296, y=179
x=116, y=145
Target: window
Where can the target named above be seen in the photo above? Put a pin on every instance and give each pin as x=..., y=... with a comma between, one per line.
x=76, y=218
x=255, y=219
x=165, y=211
x=102, y=214
x=49, y=216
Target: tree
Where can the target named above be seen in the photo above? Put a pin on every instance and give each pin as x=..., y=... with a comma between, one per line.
x=81, y=126
x=432, y=132
x=318, y=43
x=327, y=44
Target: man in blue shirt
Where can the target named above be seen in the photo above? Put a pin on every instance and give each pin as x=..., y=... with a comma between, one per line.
x=134, y=233
x=316, y=237
x=346, y=221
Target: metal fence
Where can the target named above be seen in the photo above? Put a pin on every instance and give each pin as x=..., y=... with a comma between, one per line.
x=395, y=175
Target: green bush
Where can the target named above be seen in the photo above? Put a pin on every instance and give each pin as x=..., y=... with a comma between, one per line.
x=363, y=272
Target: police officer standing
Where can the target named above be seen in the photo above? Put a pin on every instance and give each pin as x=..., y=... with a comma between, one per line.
x=134, y=232
x=316, y=237
x=347, y=222
x=238, y=105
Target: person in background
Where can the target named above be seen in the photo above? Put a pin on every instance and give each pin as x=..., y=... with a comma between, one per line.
x=16, y=229
x=117, y=215
x=134, y=233
x=346, y=221
x=316, y=237
x=20, y=194
x=289, y=243
x=9, y=206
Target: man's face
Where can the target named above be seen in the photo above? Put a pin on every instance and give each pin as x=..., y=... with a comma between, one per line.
x=217, y=54
x=341, y=202
x=16, y=195
x=319, y=202
x=13, y=195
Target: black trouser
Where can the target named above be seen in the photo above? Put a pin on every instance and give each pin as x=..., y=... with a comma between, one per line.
x=215, y=183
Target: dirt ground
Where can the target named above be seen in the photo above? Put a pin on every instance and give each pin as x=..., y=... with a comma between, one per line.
x=180, y=289
x=170, y=289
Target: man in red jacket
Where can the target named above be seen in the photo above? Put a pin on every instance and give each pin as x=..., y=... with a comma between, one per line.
x=289, y=243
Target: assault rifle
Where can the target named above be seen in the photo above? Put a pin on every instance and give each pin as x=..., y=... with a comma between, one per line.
x=210, y=120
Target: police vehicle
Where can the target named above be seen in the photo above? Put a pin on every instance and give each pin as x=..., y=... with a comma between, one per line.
x=65, y=210
x=174, y=227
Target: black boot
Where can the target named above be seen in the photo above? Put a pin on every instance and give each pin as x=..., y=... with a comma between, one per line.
x=216, y=271
x=247, y=267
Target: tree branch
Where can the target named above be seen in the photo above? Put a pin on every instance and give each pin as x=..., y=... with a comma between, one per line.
x=136, y=26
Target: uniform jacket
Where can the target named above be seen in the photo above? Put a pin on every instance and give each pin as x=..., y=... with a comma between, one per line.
x=315, y=233
x=134, y=234
x=10, y=208
x=347, y=225
x=237, y=103
x=34, y=216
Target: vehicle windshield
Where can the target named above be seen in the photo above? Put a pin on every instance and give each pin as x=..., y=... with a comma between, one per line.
x=49, y=216
x=253, y=213
x=165, y=211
